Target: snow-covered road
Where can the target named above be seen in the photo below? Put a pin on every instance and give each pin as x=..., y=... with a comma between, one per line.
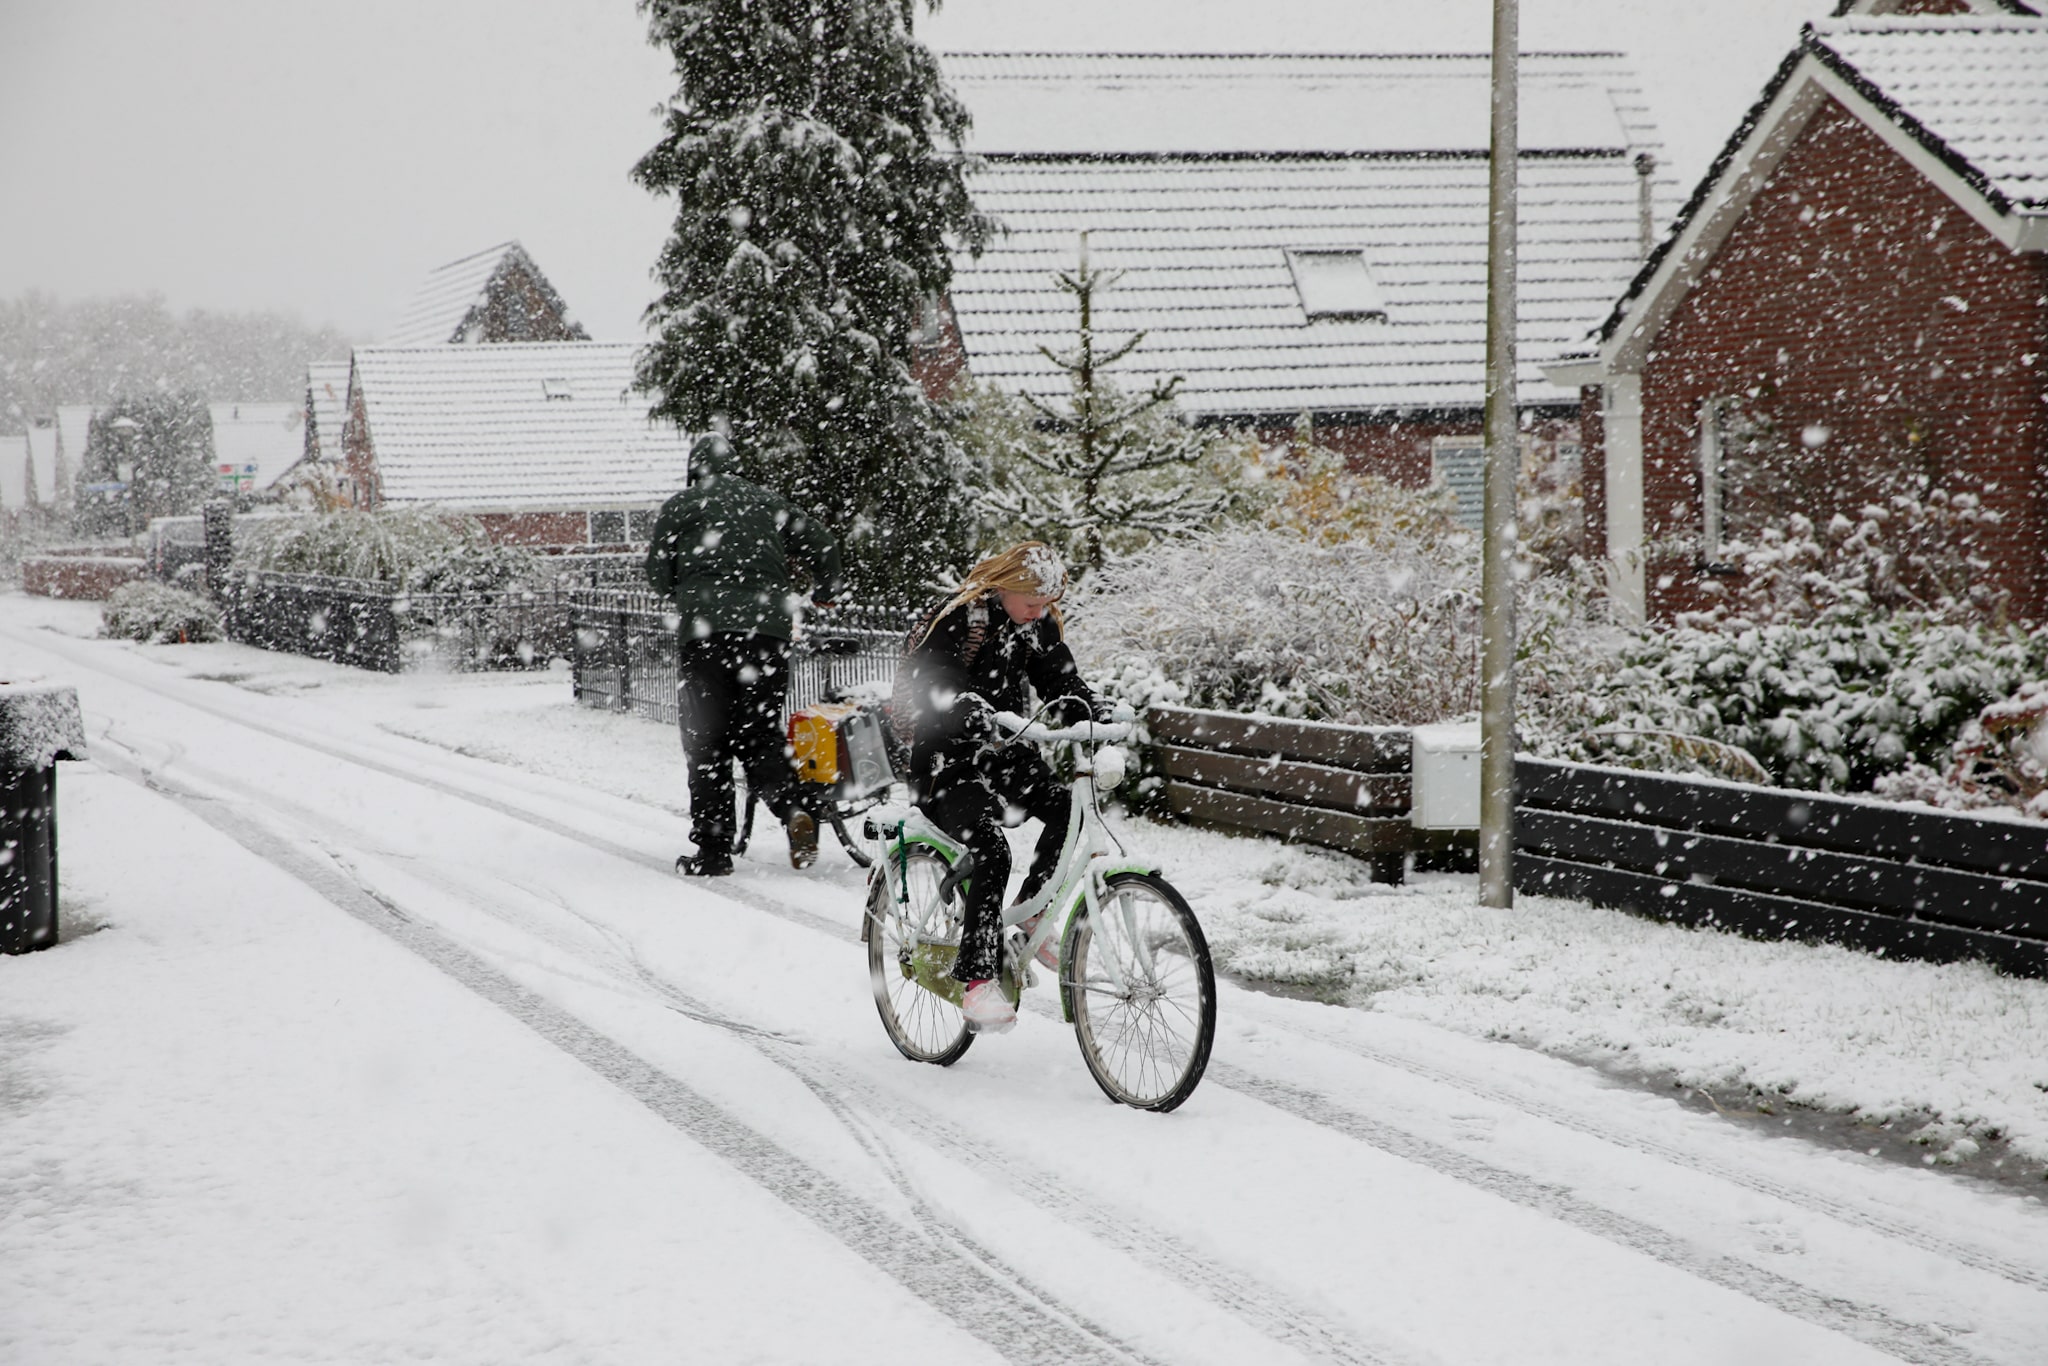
x=389, y=1052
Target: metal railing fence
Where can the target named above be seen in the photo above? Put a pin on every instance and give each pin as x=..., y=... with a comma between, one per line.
x=623, y=653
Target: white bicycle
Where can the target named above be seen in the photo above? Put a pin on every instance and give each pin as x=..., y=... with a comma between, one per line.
x=1134, y=977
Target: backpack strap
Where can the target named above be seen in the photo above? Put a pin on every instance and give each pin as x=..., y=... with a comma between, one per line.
x=902, y=707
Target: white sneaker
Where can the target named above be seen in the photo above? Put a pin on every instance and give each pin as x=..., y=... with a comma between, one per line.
x=986, y=1009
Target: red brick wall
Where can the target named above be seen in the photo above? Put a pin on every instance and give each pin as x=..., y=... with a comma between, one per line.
x=1593, y=471
x=1401, y=451
x=536, y=528
x=359, y=457
x=93, y=578
x=1855, y=296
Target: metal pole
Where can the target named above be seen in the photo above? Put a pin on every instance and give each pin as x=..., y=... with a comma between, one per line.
x=1503, y=464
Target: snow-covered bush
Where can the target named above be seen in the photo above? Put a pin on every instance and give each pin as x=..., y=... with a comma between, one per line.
x=1834, y=704
x=399, y=547
x=159, y=614
x=1917, y=551
x=1375, y=624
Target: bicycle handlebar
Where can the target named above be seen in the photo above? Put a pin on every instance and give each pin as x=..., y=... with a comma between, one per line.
x=1088, y=732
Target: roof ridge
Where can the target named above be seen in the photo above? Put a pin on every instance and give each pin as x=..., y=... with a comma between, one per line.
x=1291, y=56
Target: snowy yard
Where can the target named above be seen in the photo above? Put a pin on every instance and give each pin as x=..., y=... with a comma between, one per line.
x=239, y=1124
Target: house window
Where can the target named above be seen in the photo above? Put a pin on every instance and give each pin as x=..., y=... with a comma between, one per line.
x=556, y=390
x=640, y=524
x=1337, y=286
x=1460, y=463
x=607, y=528
x=1747, y=479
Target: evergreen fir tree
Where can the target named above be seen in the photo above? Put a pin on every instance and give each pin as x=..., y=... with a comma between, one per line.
x=814, y=155
x=1109, y=462
x=169, y=452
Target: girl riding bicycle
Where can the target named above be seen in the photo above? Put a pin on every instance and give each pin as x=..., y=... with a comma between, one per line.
x=987, y=648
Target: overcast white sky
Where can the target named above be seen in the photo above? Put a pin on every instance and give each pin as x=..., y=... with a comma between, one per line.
x=318, y=159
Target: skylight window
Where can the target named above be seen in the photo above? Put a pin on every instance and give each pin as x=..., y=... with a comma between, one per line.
x=556, y=390
x=1336, y=285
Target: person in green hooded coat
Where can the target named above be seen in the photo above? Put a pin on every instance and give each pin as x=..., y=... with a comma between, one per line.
x=728, y=554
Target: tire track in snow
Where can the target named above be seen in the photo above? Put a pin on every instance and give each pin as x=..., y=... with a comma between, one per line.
x=1864, y=1323
x=1261, y=1307
x=969, y=1292
x=1907, y=1341
x=1816, y=1202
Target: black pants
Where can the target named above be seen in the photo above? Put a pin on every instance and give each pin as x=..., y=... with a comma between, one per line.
x=729, y=692
x=972, y=803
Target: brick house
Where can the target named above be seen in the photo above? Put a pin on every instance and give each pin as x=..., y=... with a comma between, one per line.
x=495, y=295
x=545, y=443
x=1299, y=234
x=1854, y=301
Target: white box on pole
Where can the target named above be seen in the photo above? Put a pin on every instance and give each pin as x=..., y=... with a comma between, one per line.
x=1444, y=791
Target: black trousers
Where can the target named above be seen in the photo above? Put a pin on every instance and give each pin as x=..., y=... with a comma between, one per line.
x=972, y=803
x=729, y=693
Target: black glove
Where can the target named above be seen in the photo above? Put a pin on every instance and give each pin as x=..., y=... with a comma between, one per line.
x=975, y=721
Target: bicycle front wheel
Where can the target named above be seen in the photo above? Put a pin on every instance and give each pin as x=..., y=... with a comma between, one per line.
x=1142, y=993
x=920, y=935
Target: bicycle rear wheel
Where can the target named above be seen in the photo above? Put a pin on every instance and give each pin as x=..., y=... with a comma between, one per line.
x=1142, y=993
x=924, y=1026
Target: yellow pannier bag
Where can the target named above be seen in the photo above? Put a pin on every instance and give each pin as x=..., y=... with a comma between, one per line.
x=814, y=738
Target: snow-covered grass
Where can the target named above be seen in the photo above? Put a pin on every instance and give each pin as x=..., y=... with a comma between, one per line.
x=1953, y=1049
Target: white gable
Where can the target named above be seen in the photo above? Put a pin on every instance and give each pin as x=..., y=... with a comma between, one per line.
x=253, y=443
x=526, y=426
x=13, y=467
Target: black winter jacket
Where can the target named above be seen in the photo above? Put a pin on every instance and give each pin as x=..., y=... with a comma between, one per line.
x=976, y=648
x=723, y=552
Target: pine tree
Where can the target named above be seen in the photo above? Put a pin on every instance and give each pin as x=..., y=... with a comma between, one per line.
x=814, y=155
x=1108, y=462
x=169, y=454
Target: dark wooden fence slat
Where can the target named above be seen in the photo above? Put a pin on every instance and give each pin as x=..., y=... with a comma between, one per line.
x=1971, y=899
x=1334, y=829
x=1374, y=749
x=1806, y=819
x=1775, y=917
x=1340, y=789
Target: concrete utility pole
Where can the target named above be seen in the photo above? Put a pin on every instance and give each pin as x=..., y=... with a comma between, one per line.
x=1503, y=464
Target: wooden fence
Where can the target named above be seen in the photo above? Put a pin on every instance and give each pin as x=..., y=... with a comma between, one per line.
x=1896, y=880
x=1343, y=787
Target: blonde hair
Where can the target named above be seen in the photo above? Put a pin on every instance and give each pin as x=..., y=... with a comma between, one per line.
x=1029, y=567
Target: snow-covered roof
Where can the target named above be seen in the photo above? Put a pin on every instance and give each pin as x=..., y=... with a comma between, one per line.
x=454, y=299
x=13, y=467
x=271, y=437
x=523, y=426
x=1214, y=104
x=1964, y=98
x=1198, y=177
x=1974, y=91
x=327, y=403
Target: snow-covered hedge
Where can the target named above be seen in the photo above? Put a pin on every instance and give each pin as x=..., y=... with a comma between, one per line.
x=157, y=613
x=398, y=547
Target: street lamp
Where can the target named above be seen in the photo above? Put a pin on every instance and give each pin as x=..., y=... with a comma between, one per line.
x=124, y=469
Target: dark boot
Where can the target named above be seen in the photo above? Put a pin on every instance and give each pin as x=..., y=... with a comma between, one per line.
x=803, y=837
x=705, y=863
